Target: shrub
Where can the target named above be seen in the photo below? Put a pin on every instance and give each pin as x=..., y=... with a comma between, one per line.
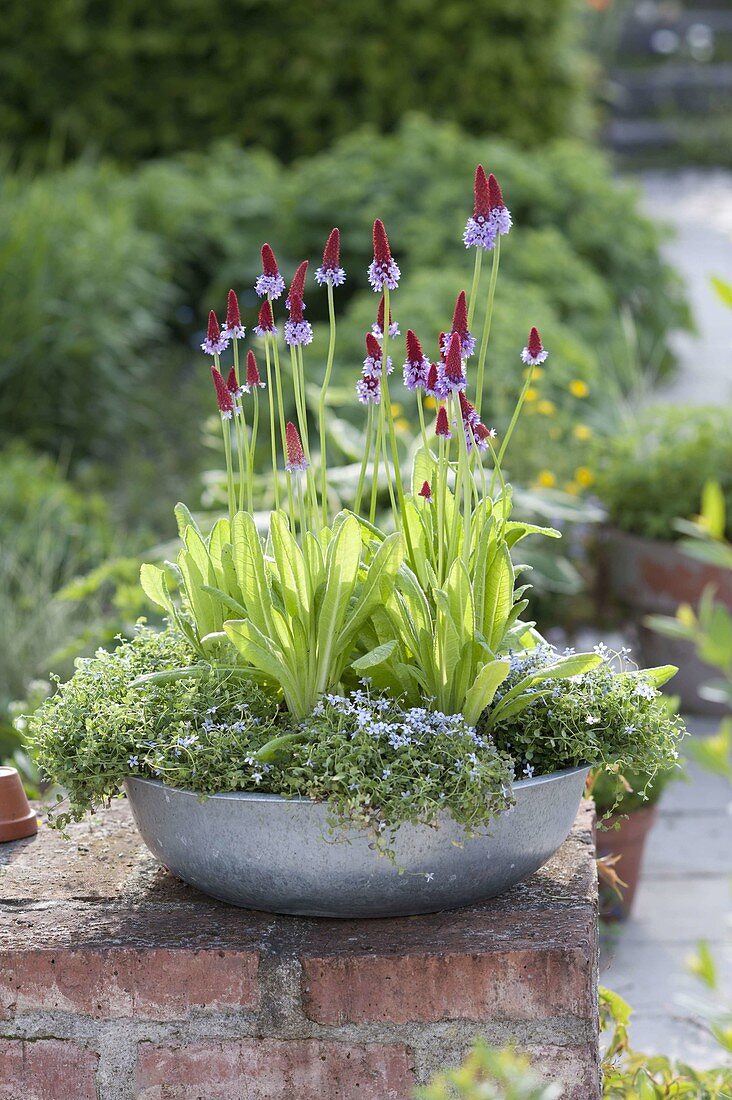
x=49, y=531
x=86, y=294
x=653, y=472
x=136, y=80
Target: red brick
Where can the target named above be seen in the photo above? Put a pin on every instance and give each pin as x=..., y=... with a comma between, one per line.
x=46, y=1069
x=524, y=984
x=266, y=1069
x=156, y=984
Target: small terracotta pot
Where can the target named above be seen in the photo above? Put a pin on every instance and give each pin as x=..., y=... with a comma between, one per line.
x=17, y=819
x=628, y=842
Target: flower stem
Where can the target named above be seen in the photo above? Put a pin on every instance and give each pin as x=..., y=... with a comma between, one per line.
x=229, y=469
x=375, y=471
x=516, y=414
x=281, y=414
x=242, y=435
x=487, y=326
x=272, y=435
x=321, y=406
x=474, y=287
x=252, y=450
x=399, y=521
x=365, y=459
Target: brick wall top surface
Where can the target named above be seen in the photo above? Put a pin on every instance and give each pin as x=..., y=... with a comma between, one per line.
x=102, y=888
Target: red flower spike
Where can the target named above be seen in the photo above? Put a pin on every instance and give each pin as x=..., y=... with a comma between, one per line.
x=432, y=378
x=534, y=343
x=453, y=359
x=425, y=491
x=373, y=347
x=441, y=345
x=295, y=453
x=380, y=315
x=233, y=317
x=214, y=328
x=460, y=315
x=297, y=286
x=296, y=307
x=442, y=427
x=494, y=192
x=482, y=202
x=231, y=384
x=382, y=252
x=266, y=318
x=414, y=348
x=332, y=251
x=253, y=378
x=223, y=397
x=482, y=433
x=269, y=263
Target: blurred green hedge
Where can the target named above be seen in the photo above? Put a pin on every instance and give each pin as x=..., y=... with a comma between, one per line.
x=109, y=275
x=132, y=79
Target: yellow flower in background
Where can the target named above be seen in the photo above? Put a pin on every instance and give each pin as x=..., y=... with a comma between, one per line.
x=538, y=373
x=546, y=408
x=401, y=424
x=572, y=488
x=582, y=431
x=396, y=409
x=546, y=479
x=584, y=476
x=532, y=394
x=430, y=403
x=578, y=388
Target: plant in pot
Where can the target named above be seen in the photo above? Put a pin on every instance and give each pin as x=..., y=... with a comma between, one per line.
x=350, y=714
x=626, y=806
x=650, y=477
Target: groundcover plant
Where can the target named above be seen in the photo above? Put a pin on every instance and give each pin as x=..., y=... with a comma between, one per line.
x=381, y=663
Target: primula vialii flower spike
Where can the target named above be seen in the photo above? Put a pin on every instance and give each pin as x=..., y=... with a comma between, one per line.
x=534, y=352
x=454, y=377
x=435, y=386
x=378, y=326
x=297, y=329
x=223, y=397
x=460, y=326
x=416, y=365
x=442, y=427
x=297, y=286
x=480, y=230
x=216, y=341
x=231, y=383
x=265, y=323
x=331, y=271
x=368, y=387
x=270, y=283
x=472, y=426
x=426, y=492
x=253, y=378
x=500, y=215
x=384, y=270
x=296, y=461
x=234, y=329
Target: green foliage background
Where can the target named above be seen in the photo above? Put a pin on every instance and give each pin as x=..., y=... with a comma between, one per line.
x=133, y=79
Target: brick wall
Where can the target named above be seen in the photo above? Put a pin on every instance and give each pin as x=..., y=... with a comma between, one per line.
x=118, y=982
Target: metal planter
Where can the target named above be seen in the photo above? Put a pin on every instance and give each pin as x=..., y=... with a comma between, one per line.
x=262, y=851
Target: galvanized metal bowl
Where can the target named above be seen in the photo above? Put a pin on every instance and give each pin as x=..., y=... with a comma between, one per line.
x=262, y=851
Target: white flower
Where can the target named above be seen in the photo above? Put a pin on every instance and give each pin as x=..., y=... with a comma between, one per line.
x=591, y=720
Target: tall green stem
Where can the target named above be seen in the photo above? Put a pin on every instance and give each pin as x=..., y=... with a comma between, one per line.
x=242, y=435
x=399, y=521
x=281, y=414
x=229, y=468
x=474, y=287
x=321, y=406
x=365, y=459
x=272, y=434
x=487, y=326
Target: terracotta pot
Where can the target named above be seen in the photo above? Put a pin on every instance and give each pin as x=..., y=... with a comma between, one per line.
x=628, y=842
x=652, y=577
x=17, y=819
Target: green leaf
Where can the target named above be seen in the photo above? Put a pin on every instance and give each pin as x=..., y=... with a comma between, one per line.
x=374, y=657
x=484, y=687
x=155, y=586
x=184, y=519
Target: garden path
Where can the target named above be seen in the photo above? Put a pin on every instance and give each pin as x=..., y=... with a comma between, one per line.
x=685, y=891
x=698, y=206
x=684, y=895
